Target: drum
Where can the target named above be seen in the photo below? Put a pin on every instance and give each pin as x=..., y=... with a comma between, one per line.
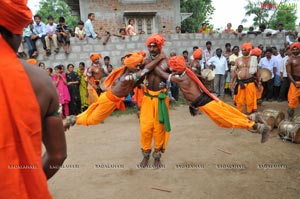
x=278, y=115
x=207, y=74
x=289, y=130
x=270, y=120
x=265, y=74
x=296, y=119
x=207, y=78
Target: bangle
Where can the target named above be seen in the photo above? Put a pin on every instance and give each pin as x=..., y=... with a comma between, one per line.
x=169, y=78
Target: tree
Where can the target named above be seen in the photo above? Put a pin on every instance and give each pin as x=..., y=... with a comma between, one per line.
x=286, y=15
x=260, y=10
x=270, y=13
x=202, y=11
x=57, y=8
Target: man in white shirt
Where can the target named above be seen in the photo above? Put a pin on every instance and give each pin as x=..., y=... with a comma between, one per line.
x=208, y=52
x=219, y=64
x=285, y=82
x=50, y=35
x=277, y=80
x=79, y=30
x=89, y=28
x=269, y=63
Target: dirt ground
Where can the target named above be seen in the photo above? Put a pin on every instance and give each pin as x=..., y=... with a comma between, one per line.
x=201, y=161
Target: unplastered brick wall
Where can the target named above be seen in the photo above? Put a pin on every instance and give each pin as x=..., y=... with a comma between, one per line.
x=117, y=47
x=111, y=14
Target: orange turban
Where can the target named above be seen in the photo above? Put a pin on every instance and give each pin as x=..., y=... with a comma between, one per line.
x=32, y=61
x=95, y=56
x=157, y=39
x=247, y=46
x=295, y=45
x=197, y=53
x=131, y=61
x=177, y=64
x=141, y=53
x=15, y=15
x=256, y=52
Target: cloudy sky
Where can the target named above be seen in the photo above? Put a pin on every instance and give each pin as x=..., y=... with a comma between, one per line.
x=226, y=11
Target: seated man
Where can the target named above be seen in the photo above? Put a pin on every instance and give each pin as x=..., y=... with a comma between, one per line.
x=50, y=31
x=199, y=97
x=79, y=31
x=62, y=31
x=39, y=32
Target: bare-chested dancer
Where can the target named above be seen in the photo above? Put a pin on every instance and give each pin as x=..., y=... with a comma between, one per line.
x=199, y=97
x=293, y=71
x=94, y=75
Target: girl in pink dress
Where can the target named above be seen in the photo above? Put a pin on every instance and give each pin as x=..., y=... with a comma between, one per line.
x=60, y=81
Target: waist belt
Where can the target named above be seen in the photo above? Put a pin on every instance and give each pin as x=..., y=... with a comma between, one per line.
x=241, y=82
x=296, y=78
x=163, y=112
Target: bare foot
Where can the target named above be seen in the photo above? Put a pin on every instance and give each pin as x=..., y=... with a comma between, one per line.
x=157, y=163
x=144, y=162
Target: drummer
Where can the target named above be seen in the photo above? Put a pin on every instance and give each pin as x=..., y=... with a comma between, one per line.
x=245, y=74
x=269, y=63
x=94, y=75
x=293, y=71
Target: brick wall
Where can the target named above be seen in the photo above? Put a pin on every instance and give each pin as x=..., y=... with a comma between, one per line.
x=117, y=47
x=110, y=14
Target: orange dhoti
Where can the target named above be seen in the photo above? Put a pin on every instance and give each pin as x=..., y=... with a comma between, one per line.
x=226, y=116
x=92, y=93
x=101, y=109
x=138, y=96
x=149, y=122
x=246, y=96
x=293, y=95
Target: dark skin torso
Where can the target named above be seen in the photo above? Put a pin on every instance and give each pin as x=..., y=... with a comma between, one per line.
x=293, y=69
x=53, y=132
x=188, y=87
x=153, y=78
x=124, y=87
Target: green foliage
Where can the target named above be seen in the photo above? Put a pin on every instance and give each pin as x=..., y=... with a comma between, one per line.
x=202, y=11
x=57, y=8
x=260, y=15
x=287, y=16
x=284, y=13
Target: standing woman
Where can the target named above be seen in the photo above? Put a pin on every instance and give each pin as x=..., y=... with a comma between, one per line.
x=130, y=28
x=83, y=86
x=73, y=86
x=61, y=83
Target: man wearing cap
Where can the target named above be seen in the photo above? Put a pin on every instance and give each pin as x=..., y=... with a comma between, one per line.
x=28, y=115
x=245, y=71
x=154, y=114
x=199, y=97
x=293, y=71
x=94, y=75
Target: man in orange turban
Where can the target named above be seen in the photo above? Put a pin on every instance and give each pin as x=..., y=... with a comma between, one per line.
x=245, y=76
x=199, y=97
x=29, y=102
x=195, y=63
x=94, y=75
x=154, y=113
x=293, y=71
x=114, y=97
